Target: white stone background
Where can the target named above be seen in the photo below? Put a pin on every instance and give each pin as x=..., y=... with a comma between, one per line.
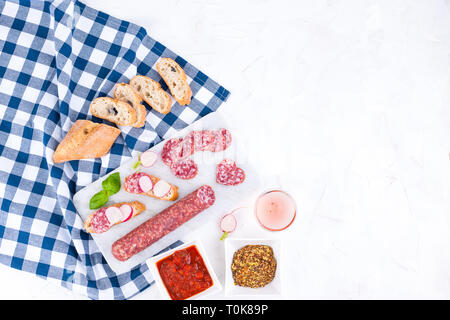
x=345, y=105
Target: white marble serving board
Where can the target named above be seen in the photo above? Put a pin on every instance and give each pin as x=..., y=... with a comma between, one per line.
x=226, y=196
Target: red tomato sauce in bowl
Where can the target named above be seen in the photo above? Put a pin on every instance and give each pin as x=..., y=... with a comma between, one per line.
x=184, y=273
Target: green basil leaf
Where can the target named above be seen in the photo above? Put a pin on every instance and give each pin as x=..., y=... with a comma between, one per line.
x=98, y=200
x=112, y=184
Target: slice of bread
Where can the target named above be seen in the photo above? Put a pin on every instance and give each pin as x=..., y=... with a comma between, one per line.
x=116, y=111
x=175, y=79
x=86, y=140
x=171, y=196
x=138, y=208
x=124, y=92
x=152, y=93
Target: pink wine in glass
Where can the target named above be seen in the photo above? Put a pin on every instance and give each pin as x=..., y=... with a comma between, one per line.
x=275, y=210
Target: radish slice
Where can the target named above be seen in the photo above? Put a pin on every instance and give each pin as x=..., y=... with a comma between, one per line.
x=145, y=183
x=161, y=188
x=114, y=215
x=228, y=225
x=127, y=212
x=148, y=158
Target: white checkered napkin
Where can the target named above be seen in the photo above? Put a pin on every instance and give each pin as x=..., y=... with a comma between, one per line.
x=55, y=58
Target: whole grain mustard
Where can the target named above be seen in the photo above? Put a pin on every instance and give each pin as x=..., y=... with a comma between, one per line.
x=253, y=266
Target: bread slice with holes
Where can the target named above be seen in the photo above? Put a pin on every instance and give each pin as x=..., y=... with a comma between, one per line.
x=125, y=92
x=137, y=207
x=175, y=79
x=85, y=140
x=152, y=93
x=114, y=110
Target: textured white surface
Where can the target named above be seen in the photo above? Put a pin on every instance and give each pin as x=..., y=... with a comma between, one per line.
x=345, y=105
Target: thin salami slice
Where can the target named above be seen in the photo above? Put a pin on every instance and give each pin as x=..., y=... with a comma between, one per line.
x=202, y=139
x=227, y=164
x=177, y=151
x=163, y=223
x=186, y=148
x=131, y=183
x=229, y=174
x=185, y=169
x=100, y=222
x=222, y=140
x=169, y=153
x=227, y=134
x=206, y=195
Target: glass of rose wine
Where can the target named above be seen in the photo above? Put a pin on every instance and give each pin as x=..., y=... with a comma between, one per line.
x=275, y=210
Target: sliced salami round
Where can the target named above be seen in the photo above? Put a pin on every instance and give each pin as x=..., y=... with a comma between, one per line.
x=229, y=174
x=222, y=140
x=100, y=222
x=185, y=169
x=169, y=153
x=131, y=183
x=177, y=151
x=186, y=148
x=226, y=165
x=206, y=195
x=202, y=139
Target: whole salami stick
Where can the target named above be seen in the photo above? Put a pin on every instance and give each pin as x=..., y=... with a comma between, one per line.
x=163, y=223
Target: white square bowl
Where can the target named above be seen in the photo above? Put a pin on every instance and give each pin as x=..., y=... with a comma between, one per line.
x=274, y=288
x=151, y=263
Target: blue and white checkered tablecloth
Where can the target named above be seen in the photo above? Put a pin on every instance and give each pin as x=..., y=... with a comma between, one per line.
x=55, y=57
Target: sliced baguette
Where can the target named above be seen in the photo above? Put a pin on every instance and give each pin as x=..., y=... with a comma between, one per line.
x=124, y=92
x=171, y=196
x=85, y=140
x=138, y=208
x=116, y=111
x=175, y=79
x=152, y=93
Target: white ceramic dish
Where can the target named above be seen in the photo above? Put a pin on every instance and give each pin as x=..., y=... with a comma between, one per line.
x=274, y=288
x=151, y=263
x=226, y=196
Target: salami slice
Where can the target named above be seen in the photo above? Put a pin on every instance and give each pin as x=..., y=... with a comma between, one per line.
x=229, y=174
x=185, y=169
x=100, y=222
x=169, y=153
x=176, y=151
x=163, y=223
x=131, y=183
x=186, y=148
x=226, y=165
x=222, y=140
x=179, y=149
x=202, y=139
